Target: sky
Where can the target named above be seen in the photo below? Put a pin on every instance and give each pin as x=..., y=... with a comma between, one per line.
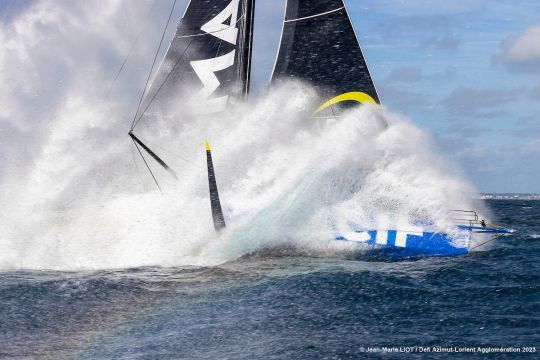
x=466, y=71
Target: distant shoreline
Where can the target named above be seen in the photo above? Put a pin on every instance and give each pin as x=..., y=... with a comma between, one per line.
x=509, y=196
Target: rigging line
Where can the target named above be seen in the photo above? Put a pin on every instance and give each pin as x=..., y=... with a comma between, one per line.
x=147, y=166
x=153, y=64
x=217, y=51
x=121, y=68
x=162, y=84
x=333, y=112
x=172, y=153
x=208, y=33
x=133, y=156
x=331, y=106
x=482, y=244
x=129, y=54
x=219, y=46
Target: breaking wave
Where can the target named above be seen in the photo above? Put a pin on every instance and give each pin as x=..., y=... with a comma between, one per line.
x=86, y=201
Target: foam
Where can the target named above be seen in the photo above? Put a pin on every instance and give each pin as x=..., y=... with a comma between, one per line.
x=75, y=194
x=284, y=179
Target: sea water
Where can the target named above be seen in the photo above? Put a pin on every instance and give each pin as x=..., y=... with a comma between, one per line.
x=283, y=305
x=96, y=263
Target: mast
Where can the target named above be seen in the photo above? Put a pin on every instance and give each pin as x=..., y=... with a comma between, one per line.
x=249, y=13
x=319, y=45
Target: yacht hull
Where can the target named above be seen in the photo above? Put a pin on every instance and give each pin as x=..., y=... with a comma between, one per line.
x=418, y=243
x=411, y=244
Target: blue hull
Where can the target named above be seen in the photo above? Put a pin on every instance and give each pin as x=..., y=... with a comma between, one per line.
x=402, y=244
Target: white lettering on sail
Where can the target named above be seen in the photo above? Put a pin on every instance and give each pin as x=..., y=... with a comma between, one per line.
x=219, y=29
x=205, y=70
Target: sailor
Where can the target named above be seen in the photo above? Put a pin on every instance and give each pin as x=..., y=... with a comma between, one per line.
x=483, y=223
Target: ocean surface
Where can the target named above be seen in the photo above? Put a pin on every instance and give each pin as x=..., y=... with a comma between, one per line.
x=278, y=306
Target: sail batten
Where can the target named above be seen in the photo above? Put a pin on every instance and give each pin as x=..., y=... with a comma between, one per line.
x=319, y=45
x=312, y=16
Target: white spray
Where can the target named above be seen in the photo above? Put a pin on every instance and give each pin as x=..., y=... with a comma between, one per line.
x=75, y=195
x=284, y=177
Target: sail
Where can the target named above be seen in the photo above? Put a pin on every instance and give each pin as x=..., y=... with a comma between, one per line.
x=207, y=65
x=319, y=45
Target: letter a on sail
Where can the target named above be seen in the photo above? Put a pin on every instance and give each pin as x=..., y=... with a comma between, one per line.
x=218, y=27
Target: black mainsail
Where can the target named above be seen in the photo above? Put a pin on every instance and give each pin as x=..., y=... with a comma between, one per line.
x=319, y=45
x=207, y=65
x=206, y=68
